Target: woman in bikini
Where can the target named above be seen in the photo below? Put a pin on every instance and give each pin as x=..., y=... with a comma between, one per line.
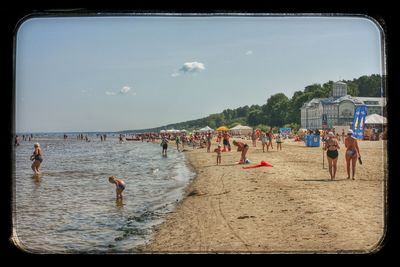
x=331, y=147
x=242, y=147
x=352, y=153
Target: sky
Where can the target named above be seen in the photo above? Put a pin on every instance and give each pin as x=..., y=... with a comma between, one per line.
x=135, y=72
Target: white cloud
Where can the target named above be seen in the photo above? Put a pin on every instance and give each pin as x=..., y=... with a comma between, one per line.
x=175, y=74
x=249, y=52
x=192, y=67
x=124, y=90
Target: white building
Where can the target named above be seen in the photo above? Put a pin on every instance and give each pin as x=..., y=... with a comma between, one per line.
x=337, y=109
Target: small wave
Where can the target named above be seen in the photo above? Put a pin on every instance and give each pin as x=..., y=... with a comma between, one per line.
x=75, y=173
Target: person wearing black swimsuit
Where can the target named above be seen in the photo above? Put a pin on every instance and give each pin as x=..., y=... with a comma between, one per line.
x=331, y=147
x=37, y=158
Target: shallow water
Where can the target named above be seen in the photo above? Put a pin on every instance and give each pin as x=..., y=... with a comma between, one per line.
x=71, y=206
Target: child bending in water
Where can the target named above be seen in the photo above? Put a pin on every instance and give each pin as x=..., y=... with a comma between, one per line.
x=120, y=185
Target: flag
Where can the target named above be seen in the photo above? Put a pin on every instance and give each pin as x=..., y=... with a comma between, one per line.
x=359, y=121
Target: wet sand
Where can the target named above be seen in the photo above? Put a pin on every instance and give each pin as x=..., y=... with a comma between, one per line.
x=290, y=207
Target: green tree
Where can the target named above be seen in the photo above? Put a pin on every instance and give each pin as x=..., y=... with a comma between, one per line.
x=276, y=110
x=295, y=103
x=312, y=88
x=370, y=85
x=242, y=111
x=215, y=120
x=328, y=88
x=255, y=117
x=352, y=88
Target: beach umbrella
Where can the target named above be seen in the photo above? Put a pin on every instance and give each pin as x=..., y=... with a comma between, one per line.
x=222, y=129
x=375, y=119
x=206, y=129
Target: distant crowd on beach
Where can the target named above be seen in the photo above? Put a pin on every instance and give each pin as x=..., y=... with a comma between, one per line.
x=330, y=143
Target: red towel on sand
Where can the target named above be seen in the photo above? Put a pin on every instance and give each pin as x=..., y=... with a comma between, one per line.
x=262, y=164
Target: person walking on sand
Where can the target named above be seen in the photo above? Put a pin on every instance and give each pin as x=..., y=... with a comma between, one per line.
x=343, y=136
x=37, y=158
x=225, y=142
x=264, y=140
x=331, y=146
x=119, y=184
x=242, y=147
x=270, y=135
x=278, y=140
x=209, y=137
x=254, y=138
x=352, y=153
x=218, y=151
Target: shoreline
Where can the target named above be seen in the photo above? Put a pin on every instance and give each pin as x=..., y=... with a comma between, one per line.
x=291, y=207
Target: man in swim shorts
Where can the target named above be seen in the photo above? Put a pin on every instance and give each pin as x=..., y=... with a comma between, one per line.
x=119, y=184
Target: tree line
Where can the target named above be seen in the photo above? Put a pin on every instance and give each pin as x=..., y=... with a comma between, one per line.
x=279, y=110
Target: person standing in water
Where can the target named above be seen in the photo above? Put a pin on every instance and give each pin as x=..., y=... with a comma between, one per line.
x=177, y=142
x=37, y=158
x=164, y=144
x=16, y=142
x=119, y=184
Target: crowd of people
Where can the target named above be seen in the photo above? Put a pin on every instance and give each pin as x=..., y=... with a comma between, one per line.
x=330, y=139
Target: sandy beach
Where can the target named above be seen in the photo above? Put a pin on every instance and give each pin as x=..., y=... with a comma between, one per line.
x=292, y=207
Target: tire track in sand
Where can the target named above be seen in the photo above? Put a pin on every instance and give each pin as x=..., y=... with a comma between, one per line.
x=226, y=221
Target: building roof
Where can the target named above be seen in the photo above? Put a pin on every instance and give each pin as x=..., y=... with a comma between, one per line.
x=337, y=100
x=353, y=99
x=381, y=100
x=312, y=102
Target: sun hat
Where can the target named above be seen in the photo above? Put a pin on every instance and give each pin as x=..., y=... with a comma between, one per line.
x=330, y=134
x=349, y=131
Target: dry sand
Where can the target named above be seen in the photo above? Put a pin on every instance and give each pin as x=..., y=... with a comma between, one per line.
x=290, y=207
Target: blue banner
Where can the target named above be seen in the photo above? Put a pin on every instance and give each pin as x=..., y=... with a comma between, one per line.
x=359, y=121
x=285, y=131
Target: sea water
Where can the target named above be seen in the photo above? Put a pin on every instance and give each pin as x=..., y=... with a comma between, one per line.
x=71, y=207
